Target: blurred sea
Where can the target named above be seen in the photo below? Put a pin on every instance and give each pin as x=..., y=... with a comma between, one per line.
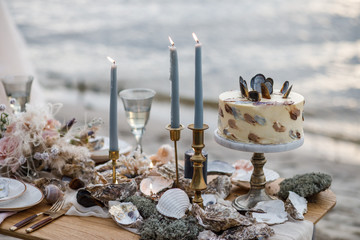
x=314, y=44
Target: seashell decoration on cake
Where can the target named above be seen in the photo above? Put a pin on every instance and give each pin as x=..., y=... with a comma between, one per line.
x=125, y=214
x=218, y=217
x=296, y=206
x=173, y=203
x=154, y=185
x=260, y=114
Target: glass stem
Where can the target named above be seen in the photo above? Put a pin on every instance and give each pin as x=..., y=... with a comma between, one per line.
x=138, y=133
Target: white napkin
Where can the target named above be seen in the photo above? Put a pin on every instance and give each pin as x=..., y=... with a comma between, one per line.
x=4, y=215
x=77, y=210
x=293, y=230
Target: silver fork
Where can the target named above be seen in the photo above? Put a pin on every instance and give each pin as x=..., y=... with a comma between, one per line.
x=54, y=208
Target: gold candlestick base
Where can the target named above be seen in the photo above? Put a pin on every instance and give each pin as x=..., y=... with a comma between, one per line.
x=114, y=155
x=198, y=182
x=175, y=136
x=257, y=182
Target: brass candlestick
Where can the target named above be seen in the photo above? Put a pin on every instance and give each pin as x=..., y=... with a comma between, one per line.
x=114, y=155
x=198, y=182
x=175, y=136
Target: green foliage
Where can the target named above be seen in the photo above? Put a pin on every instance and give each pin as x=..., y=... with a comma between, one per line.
x=305, y=185
x=4, y=122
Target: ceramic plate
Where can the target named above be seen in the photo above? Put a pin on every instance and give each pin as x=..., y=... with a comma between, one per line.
x=16, y=189
x=244, y=171
x=102, y=155
x=30, y=198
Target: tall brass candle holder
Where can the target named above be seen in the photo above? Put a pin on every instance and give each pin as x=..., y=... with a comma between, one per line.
x=175, y=136
x=114, y=155
x=198, y=182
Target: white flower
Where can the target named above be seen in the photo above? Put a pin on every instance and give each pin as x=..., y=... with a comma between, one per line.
x=45, y=156
x=38, y=156
x=54, y=151
x=22, y=160
x=12, y=101
x=2, y=107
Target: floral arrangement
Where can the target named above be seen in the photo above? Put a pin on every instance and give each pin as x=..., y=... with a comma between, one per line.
x=34, y=142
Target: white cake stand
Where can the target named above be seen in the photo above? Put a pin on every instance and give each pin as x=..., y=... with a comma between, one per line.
x=257, y=190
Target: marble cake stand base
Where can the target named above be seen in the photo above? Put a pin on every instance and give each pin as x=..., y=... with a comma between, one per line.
x=257, y=190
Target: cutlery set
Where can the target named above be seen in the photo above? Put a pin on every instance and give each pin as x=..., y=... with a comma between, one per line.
x=53, y=213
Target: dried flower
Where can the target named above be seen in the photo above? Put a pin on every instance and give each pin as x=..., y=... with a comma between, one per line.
x=2, y=107
x=12, y=101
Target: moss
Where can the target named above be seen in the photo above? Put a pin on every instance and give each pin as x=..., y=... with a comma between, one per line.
x=146, y=207
x=305, y=185
x=163, y=228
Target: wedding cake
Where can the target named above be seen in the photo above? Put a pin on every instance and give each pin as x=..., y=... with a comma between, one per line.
x=262, y=116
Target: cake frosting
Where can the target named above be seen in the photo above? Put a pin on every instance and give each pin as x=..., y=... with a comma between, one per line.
x=269, y=121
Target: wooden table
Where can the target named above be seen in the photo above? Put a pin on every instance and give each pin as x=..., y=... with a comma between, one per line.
x=72, y=227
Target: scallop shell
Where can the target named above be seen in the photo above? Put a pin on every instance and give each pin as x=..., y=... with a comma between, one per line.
x=173, y=203
x=125, y=214
x=158, y=184
x=52, y=193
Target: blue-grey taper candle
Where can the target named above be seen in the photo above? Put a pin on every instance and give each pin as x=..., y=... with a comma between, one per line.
x=113, y=135
x=174, y=78
x=198, y=120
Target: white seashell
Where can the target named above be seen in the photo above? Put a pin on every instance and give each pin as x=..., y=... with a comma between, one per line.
x=125, y=213
x=52, y=193
x=173, y=203
x=296, y=206
x=274, y=212
x=154, y=184
x=209, y=199
x=164, y=155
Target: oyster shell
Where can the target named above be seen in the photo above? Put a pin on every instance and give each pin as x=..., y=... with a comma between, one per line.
x=158, y=184
x=112, y=192
x=173, y=203
x=296, y=206
x=218, y=217
x=125, y=214
x=219, y=167
x=169, y=171
x=274, y=212
x=207, y=235
x=220, y=186
x=254, y=231
x=209, y=199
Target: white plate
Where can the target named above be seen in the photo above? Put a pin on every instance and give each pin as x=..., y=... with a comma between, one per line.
x=30, y=198
x=244, y=171
x=16, y=189
x=102, y=155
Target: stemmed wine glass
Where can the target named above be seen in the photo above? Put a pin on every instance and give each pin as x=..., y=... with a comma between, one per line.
x=18, y=89
x=137, y=105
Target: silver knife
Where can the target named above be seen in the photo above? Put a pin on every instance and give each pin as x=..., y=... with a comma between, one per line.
x=47, y=220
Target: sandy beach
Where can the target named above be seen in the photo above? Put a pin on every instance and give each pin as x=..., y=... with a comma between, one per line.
x=318, y=154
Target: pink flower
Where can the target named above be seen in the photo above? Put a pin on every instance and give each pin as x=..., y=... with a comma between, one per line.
x=9, y=147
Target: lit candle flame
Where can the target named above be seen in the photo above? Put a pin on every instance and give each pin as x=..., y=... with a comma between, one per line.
x=195, y=37
x=151, y=190
x=171, y=41
x=111, y=60
x=151, y=165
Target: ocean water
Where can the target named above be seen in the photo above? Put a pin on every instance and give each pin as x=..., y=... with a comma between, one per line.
x=314, y=44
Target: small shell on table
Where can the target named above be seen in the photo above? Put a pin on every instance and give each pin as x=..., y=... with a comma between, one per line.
x=164, y=155
x=220, y=186
x=173, y=203
x=125, y=214
x=154, y=185
x=52, y=193
x=274, y=212
x=209, y=199
x=296, y=206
